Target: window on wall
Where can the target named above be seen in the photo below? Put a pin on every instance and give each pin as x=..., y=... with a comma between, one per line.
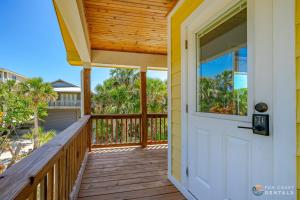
x=13, y=77
x=222, y=66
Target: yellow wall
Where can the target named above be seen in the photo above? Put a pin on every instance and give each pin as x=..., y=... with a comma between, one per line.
x=177, y=19
x=298, y=92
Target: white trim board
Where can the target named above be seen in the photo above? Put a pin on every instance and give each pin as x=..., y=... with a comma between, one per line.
x=284, y=96
x=181, y=188
x=71, y=12
x=128, y=59
x=169, y=97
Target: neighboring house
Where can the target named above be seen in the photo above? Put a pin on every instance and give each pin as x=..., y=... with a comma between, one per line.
x=66, y=109
x=6, y=74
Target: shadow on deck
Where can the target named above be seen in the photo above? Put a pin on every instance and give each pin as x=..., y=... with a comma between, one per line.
x=127, y=173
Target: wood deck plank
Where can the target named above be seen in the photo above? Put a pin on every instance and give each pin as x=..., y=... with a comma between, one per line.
x=128, y=173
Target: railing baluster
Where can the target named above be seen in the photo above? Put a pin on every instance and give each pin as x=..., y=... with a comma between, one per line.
x=151, y=129
x=140, y=131
x=107, y=131
x=33, y=195
x=67, y=170
x=116, y=131
x=56, y=181
x=156, y=130
x=164, y=127
x=50, y=184
x=131, y=131
x=126, y=130
x=101, y=131
x=43, y=189
x=97, y=133
x=160, y=129
x=122, y=129
x=112, y=136
x=135, y=132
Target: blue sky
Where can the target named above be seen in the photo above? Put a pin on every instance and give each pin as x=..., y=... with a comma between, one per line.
x=31, y=43
x=225, y=62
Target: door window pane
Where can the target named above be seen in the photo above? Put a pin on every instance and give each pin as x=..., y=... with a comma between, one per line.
x=222, y=67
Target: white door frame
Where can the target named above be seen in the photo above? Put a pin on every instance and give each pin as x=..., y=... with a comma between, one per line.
x=284, y=94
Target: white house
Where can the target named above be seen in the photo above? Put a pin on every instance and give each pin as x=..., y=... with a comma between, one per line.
x=66, y=109
x=6, y=74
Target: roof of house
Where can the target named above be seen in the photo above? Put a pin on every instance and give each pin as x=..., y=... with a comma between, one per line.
x=12, y=72
x=64, y=86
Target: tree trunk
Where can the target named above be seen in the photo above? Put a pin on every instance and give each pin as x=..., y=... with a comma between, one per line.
x=14, y=155
x=36, y=130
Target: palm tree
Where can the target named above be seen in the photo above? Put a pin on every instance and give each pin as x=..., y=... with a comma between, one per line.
x=39, y=94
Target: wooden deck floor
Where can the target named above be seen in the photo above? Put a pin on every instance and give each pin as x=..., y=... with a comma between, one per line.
x=127, y=173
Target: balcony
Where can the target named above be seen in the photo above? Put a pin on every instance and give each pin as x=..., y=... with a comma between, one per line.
x=64, y=104
x=98, y=157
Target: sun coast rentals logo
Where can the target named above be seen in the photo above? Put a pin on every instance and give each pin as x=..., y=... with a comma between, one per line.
x=272, y=190
x=258, y=190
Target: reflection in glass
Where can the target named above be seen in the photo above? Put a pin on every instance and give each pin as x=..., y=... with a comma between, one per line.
x=222, y=68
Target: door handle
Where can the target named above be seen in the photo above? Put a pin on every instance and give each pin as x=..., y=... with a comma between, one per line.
x=256, y=128
x=244, y=127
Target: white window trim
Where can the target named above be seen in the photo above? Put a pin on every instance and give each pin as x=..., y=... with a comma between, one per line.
x=212, y=14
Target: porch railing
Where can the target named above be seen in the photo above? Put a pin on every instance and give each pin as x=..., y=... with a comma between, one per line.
x=125, y=129
x=51, y=171
x=61, y=103
x=157, y=128
x=116, y=130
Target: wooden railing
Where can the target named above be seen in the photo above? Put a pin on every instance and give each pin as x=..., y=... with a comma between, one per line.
x=116, y=130
x=157, y=128
x=125, y=129
x=51, y=171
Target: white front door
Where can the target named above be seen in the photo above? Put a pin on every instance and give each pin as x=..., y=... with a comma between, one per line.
x=230, y=67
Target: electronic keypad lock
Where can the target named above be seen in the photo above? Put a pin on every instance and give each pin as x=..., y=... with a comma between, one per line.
x=260, y=124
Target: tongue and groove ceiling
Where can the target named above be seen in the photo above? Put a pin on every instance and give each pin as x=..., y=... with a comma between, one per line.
x=128, y=25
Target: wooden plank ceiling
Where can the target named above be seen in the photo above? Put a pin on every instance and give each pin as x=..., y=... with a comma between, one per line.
x=128, y=25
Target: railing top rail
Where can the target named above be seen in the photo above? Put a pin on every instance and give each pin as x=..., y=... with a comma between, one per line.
x=123, y=116
x=157, y=115
x=116, y=116
x=76, y=100
x=29, y=171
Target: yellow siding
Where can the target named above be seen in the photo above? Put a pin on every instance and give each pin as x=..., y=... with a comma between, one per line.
x=177, y=19
x=298, y=92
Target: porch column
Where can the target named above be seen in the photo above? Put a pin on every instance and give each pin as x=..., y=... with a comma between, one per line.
x=143, y=94
x=85, y=91
x=86, y=99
